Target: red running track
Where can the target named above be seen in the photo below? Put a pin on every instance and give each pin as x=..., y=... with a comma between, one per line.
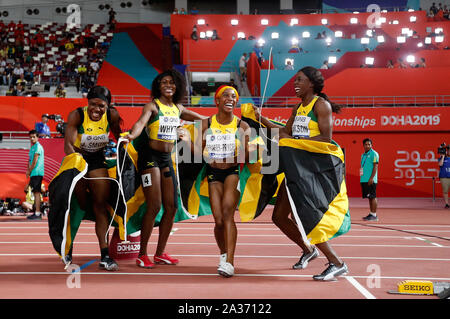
x=411, y=241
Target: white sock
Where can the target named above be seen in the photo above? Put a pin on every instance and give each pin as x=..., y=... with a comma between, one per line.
x=374, y=214
x=38, y=213
x=223, y=258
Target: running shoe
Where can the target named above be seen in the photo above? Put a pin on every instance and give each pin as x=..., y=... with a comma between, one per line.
x=306, y=258
x=332, y=272
x=371, y=217
x=447, y=206
x=35, y=217
x=108, y=263
x=226, y=270
x=223, y=259
x=144, y=262
x=165, y=259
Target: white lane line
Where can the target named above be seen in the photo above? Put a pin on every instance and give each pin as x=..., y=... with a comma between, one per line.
x=118, y=273
x=210, y=243
x=360, y=288
x=429, y=242
x=243, y=256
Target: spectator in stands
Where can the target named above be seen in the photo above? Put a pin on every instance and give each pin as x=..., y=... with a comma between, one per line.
x=3, y=77
x=243, y=66
x=111, y=15
x=434, y=9
x=318, y=36
x=182, y=11
x=324, y=65
x=390, y=64
x=421, y=64
x=215, y=36
x=194, y=10
x=22, y=80
x=401, y=64
x=20, y=90
x=42, y=129
x=35, y=172
x=289, y=66
x=54, y=77
x=175, y=11
x=28, y=75
x=60, y=91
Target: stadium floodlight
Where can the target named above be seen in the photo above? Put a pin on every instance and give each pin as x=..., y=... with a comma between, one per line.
x=370, y=60
x=324, y=21
x=306, y=34
x=438, y=30
x=201, y=21
x=410, y=59
x=261, y=42
x=234, y=22
x=294, y=41
x=353, y=20
x=332, y=59
x=241, y=35
x=427, y=40
x=264, y=21
x=439, y=39
x=365, y=40
x=412, y=19
x=275, y=35
x=202, y=35
x=420, y=44
x=380, y=38
x=401, y=39
x=338, y=34
x=294, y=21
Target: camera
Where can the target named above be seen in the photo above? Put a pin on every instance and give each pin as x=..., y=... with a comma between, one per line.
x=61, y=125
x=442, y=149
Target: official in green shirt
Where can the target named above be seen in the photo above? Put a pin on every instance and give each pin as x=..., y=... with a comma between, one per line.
x=35, y=172
x=369, y=178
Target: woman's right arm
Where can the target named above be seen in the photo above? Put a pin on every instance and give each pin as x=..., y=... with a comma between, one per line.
x=137, y=128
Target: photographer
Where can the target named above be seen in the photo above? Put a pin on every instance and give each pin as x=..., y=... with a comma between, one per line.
x=42, y=128
x=444, y=172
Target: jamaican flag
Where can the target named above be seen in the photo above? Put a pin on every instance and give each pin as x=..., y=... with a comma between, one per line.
x=256, y=190
x=316, y=187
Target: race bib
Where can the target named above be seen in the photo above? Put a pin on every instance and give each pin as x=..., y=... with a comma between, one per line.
x=220, y=146
x=168, y=127
x=93, y=143
x=300, y=128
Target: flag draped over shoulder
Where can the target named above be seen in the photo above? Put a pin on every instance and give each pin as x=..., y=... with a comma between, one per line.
x=256, y=189
x=315, y=180
x=316, y=187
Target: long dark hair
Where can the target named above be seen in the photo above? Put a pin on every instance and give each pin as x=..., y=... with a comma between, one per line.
x=180, y=83
x=318, y=81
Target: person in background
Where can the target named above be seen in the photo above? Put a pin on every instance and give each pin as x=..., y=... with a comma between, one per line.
x=369, y=178
x=444, y=173
x=35, y=172
x=42, y=128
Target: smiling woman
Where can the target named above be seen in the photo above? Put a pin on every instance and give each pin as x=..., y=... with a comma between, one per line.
x=161, y=119
x=224, y=142
x=87, y=133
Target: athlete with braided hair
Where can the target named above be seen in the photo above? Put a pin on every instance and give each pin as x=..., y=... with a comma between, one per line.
x=311, y=120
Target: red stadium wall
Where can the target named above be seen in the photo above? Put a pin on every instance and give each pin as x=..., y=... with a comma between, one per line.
x=406, y=139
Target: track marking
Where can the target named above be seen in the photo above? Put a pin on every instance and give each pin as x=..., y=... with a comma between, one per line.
x=360, y=288
x=429, y=242
x=242, y=256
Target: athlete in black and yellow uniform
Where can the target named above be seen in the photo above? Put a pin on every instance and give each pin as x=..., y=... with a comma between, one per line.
x=311, y=120
x=225, y=146
x=161, y=119
x=87, y=133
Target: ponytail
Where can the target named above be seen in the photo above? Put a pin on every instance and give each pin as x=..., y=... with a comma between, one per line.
x=336, y=108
